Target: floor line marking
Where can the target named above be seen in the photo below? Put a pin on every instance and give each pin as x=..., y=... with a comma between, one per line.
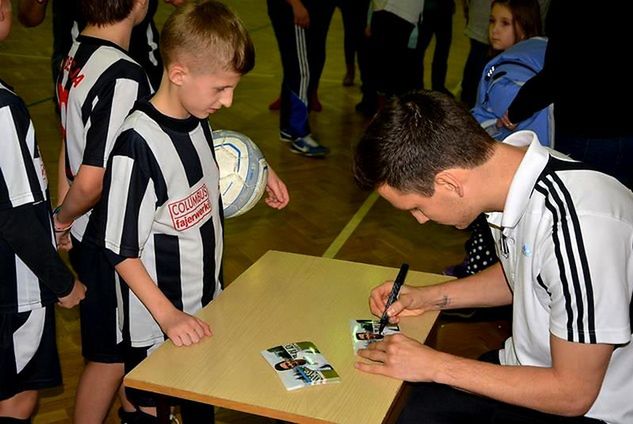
x=37, y=102
x=351, y=225
x=25, y=56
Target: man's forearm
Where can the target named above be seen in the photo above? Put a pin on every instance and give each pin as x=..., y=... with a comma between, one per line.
x=548, y=389
x=487, y=288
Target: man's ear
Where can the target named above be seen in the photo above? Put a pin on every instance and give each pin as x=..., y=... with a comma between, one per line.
x=177, y=73
x=451, y=180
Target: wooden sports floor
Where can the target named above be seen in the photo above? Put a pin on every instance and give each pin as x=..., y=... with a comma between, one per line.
x=327, y=214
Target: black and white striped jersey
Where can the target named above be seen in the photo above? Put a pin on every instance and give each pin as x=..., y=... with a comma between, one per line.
x=161, y=203
x=565, y=241
x=23, y=176
x=96, y=89
x=68, y=23
x=24, y=203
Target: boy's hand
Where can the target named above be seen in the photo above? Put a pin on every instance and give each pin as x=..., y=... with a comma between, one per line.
x=276, y=191
x=76, y=295
x=63, y=241
x=184, y=329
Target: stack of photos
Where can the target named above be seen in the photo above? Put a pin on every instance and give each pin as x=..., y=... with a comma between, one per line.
x=300, y=364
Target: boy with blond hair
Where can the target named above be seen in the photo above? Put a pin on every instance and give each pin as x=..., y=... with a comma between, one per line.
x=163, y=169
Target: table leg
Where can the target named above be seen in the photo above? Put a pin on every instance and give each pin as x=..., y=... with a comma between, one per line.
x=163, y=409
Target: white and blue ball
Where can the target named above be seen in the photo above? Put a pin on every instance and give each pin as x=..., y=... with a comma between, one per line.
x=243, y=171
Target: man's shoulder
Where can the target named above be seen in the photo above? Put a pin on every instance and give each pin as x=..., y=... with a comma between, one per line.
x=576, y=187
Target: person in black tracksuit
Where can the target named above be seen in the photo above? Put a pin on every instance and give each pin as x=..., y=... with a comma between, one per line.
x=301, y=31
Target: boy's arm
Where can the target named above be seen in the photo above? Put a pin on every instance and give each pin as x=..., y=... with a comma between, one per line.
x=83, y=194
x=180, y=327
x=62, y=181
x=115, y=103
x=276, y=192
x=23, y=231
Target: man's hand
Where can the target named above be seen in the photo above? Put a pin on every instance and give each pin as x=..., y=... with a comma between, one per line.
x=277, y=196
x=399, y=356
x=76, y=295
x=184, y=329
x=407, y=304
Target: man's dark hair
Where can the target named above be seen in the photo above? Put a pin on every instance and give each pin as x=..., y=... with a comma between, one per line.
x=105, y=12
x=414, y=138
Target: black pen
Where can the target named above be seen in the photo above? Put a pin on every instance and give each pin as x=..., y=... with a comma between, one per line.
x=384, y=319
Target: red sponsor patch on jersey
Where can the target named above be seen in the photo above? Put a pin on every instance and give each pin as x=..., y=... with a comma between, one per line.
x=192, y=209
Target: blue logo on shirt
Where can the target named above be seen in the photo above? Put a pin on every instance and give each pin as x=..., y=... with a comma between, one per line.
x=526, y=250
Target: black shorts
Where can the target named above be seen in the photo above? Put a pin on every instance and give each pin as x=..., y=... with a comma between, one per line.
x=28, y=352
x=100, y=330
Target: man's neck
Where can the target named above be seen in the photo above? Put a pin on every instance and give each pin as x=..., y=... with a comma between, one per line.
x=118, y=33
x=496, y=176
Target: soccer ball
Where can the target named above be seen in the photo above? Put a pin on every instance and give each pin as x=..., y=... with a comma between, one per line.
x=243, y=171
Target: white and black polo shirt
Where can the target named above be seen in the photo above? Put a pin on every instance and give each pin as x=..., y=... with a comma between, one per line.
x=161, y=203
x=97, y=87
x=565, y=240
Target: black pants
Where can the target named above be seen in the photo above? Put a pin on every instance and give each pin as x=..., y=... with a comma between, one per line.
x=354, y=13
x=302, y=53
x=438, y=22
x=478, y=56
x=390, y=71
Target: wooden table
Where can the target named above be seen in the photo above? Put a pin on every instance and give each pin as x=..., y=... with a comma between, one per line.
x=282, y=298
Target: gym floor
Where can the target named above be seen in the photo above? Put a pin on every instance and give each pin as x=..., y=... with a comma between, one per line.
x=328, y=215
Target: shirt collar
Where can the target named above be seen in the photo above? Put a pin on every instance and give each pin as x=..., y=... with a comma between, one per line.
x=525, y=178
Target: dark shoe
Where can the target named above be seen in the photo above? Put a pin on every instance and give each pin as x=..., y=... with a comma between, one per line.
x=136, y=417
x=307, y=146
x=275, y=105
x=286, y=137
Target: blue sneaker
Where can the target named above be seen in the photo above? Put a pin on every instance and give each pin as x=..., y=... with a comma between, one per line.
x=307, y=146
x=285, y=137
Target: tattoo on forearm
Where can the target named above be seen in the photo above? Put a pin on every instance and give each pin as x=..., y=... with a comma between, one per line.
x=443, y=303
